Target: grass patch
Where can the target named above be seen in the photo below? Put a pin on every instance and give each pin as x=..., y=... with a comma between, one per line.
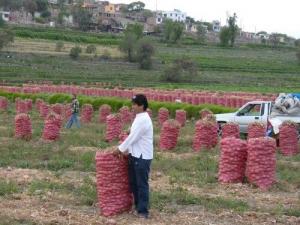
x=198, y=170
x=8, y=187
x=87, y=192
x=181, y=196
x=5, y=220
x=42, y=186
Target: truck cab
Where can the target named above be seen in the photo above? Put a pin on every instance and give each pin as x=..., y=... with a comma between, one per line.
x=255, y=111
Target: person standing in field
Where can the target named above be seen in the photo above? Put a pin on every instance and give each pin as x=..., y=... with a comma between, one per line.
x=75, y=112
x=139, y=147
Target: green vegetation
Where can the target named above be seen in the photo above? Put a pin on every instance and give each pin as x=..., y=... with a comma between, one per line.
x=8, y=187
x=75, y=52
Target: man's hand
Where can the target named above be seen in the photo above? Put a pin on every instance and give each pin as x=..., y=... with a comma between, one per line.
x=118, y=153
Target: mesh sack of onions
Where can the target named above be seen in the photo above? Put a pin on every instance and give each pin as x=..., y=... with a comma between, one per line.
x=87, y=113
x=163, y=115
x=206, y=135
x=58, y=108
x=261, y=162
x=232, y=163
x=181, y=117
x=21, y=106
x=28, y=104
x=126, y=115
x=113, y=127
x=169, y=134
x=44, y=110
x=230, y=130
x=123, y=136
x=288, y=138
x=23, y=127
x=52, y=127
x=113, y=189
x=3, y=103
x=104, y=111
x=204, y=113
x=38, y=103
x=256, y=130
x=67, y=111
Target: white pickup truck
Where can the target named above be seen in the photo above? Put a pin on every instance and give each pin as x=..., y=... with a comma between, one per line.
x=255, y=111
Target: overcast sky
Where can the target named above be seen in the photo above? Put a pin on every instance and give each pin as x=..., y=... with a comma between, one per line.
x=253, y=15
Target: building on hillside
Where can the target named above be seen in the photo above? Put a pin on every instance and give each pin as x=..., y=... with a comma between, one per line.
x=110, y=8
x=216, y=26
x=5, y=15
x=175, y=15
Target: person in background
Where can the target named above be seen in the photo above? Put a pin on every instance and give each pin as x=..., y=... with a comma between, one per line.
x=139, y=147
x=75, y=112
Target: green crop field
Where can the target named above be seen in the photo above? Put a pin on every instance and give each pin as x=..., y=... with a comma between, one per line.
x=54, y=183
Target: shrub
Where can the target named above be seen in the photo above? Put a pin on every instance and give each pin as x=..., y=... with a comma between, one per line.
x=91, y=49
x=59, y=46
x=298, y=55
x=106, y=55
x=145, y=51
x=75, y=52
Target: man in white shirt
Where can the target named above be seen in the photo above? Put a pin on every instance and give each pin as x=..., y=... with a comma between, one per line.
x=139, y=147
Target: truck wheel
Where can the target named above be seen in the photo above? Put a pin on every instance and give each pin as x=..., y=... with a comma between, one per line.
x=220, y=126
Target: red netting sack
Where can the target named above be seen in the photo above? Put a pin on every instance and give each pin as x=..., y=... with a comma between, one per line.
x=113, y=127
x=256, y=130
x=261, y=162
x=169, y=135
x=206, y=135
x=21, y=106
x=181, y=117
x=288, y=138
x=204, y=113
x=113, y=189
x=44, y=110
x=104, y=111
x=38, y=103
x=52, y=127
x=126, y=115
x=231, y=130
x=87, y=113
x=28, y=104
x=123, y=136
x=58, y=109
x=23, y=127
x=232, y=163
x=3, y=103
x=163, y=115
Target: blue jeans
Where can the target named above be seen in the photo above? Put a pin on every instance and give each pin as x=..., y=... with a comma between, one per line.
x=139, y=170
x=72, y=120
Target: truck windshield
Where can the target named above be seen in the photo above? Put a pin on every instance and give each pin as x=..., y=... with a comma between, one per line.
x=251, y=110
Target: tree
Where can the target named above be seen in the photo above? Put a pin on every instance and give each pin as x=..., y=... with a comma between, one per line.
x=172, y=31
x=11, y=4
x=127, y=45
x=6, y=37
x=224, y=36
x=2, y=22
x=297, y=43
x=182, y=69
x=75, y=52
x=145, y=51
x=82, y=17
x=136, y=6
x=91, y=49
x=274, y=39
x=30, y=6
x=201, y=33
x=298, y=55
x=41, y=5
x=136, y=29
x=233, y=28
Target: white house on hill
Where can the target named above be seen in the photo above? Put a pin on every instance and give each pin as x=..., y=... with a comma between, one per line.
x=175, y=15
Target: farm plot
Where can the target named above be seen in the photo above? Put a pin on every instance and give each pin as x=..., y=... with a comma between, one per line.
x=54, y=182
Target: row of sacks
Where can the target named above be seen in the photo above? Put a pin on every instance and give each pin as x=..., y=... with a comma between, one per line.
x=229, y=99
x=51, y=130
x=254, y=159
x=288, y=135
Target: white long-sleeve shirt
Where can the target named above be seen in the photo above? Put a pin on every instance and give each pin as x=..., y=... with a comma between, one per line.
x=140, y=140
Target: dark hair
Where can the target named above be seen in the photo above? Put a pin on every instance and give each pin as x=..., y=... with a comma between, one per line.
x=140, y=100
